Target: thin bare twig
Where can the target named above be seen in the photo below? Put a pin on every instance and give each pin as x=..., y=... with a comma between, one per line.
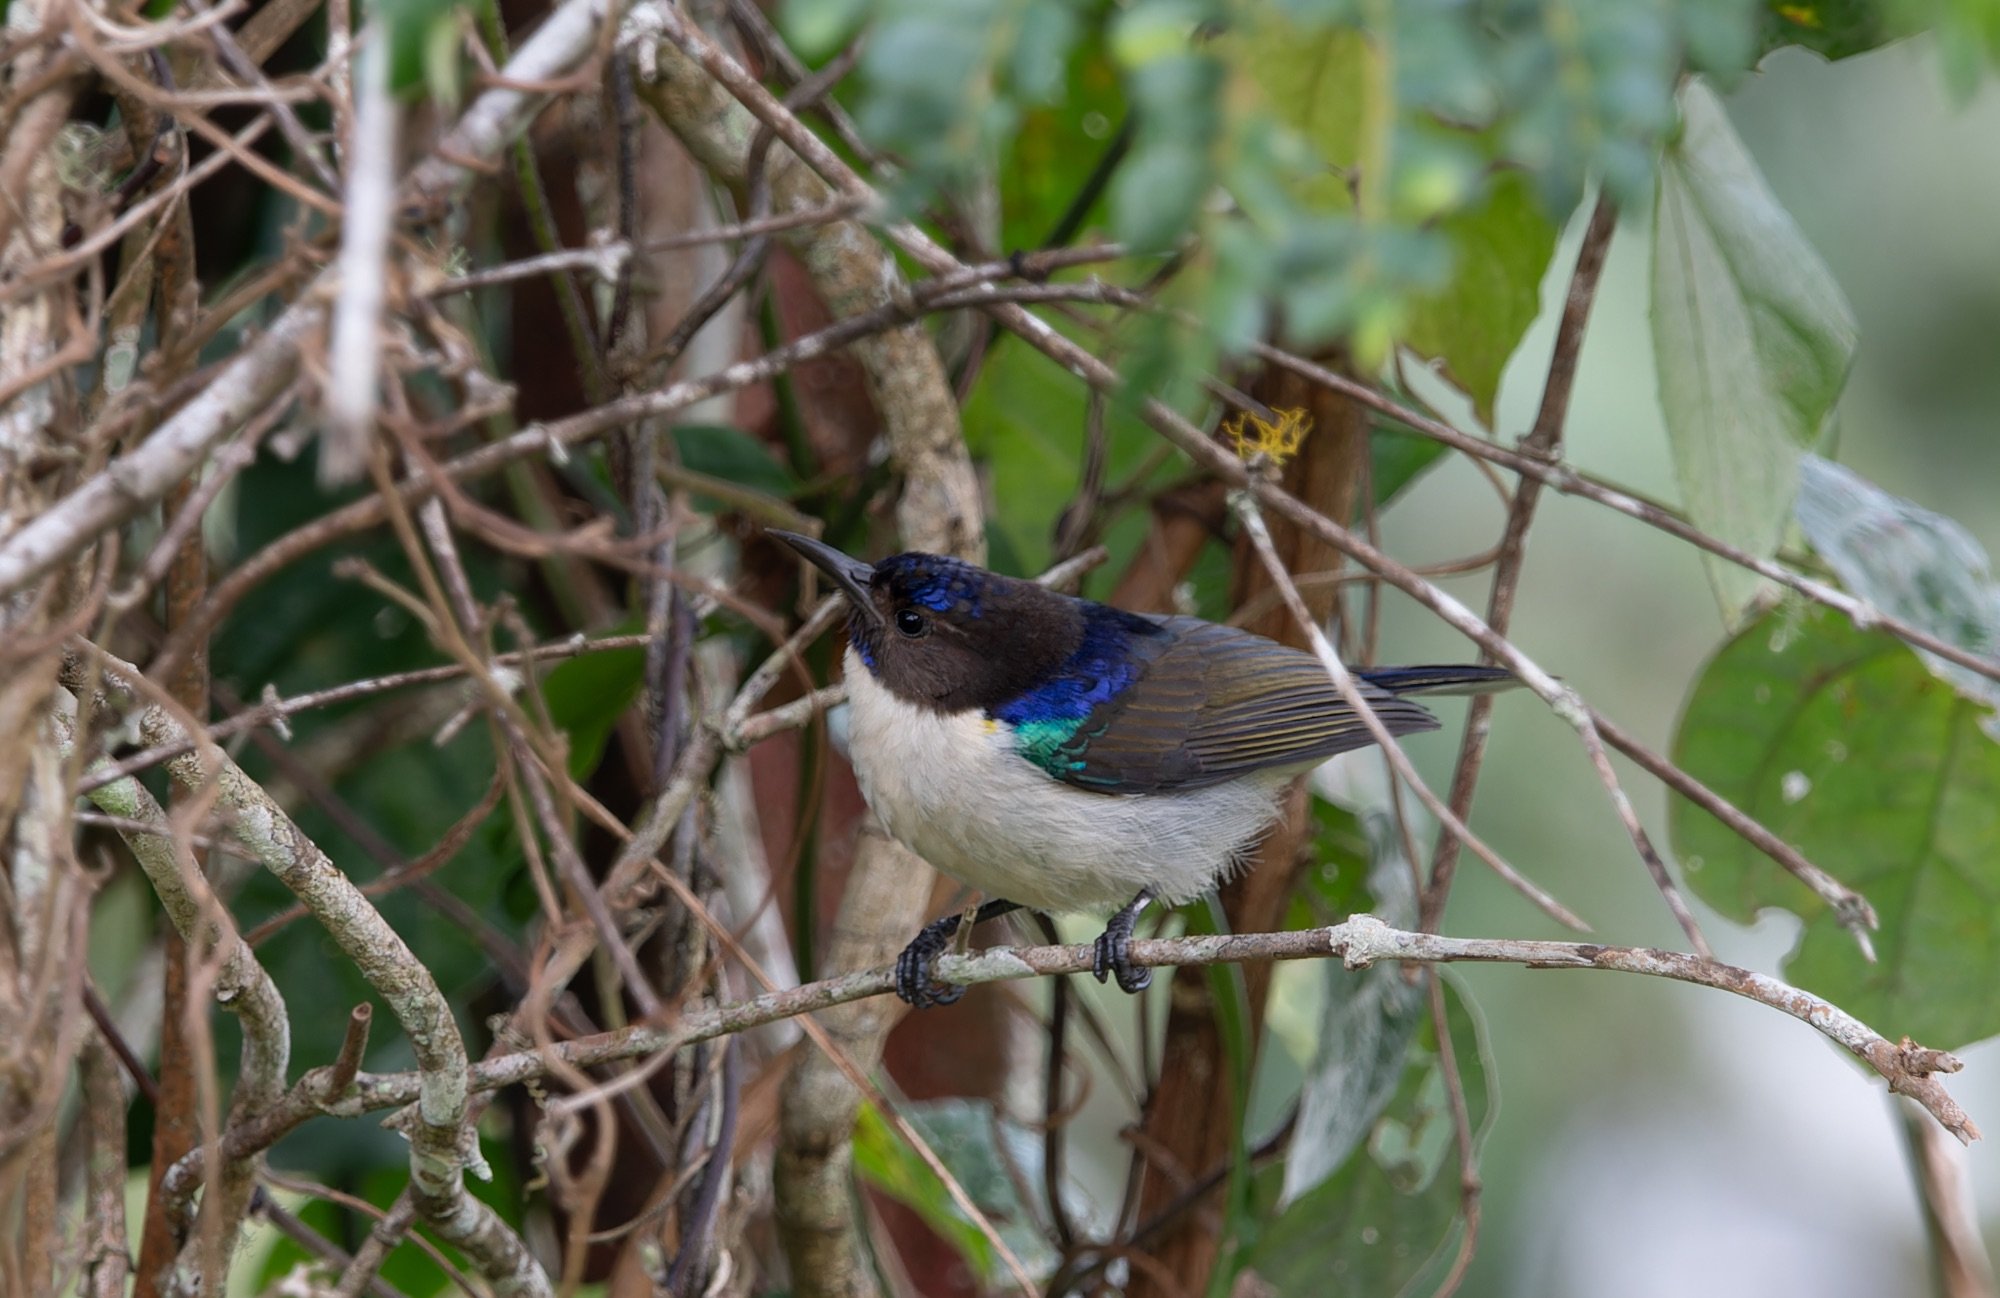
x=1543, y=440
x=603, y=261
x=1343, y=681
x=261, y=370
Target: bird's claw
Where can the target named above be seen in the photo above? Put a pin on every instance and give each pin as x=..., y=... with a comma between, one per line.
x=1113, y=954
x=914, y=982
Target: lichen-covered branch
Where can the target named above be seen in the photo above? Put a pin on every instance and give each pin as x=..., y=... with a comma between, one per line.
x=1358, y=941
x=240, y=983
x=442, y=1143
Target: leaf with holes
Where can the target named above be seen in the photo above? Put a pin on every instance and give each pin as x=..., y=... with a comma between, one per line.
x=1844, y=745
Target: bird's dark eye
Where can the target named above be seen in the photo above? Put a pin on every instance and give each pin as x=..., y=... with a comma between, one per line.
x=912, y=623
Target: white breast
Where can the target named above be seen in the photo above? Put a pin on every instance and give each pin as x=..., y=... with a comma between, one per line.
x=953, y=789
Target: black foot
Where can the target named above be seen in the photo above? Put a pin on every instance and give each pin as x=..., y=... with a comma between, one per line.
x=914, y=982
x=1114, y=948
x=1019, y=265
x=913, y=968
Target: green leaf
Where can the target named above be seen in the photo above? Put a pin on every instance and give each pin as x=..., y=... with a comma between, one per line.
x=1501, y=250
x=319, y=1214
x=1845, y=746
x=720, y=451
x=1333, y=86
x=1026, y=423
x=1367, y=1019
x=1398, y=459
x=1919, y=567
x=1385, y=1222
x=1056, y=148
x=1332, y=887
x=1752, y=339
x=818, y=28
x=1368, y=1023
x=1964, y=33
x=414, y=30
x=1327, y=83
x=1337, y=882
x=990, y=1156
x=1175, y=92
x=587, y=695
x=443, y=74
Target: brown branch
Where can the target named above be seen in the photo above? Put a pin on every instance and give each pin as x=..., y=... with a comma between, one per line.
x=1961, y=1263
x=261, y=370
x=440, y=1143
x=1543, y=440
x=1359, y=941
x=106, y=1264
x=1343, y=681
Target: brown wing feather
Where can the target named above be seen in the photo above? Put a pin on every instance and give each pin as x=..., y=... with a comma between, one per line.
x=1215, y=703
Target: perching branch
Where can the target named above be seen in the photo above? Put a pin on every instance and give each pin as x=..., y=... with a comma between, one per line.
x=1359, y=941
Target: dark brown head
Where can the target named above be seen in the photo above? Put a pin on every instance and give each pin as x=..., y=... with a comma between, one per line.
x=945, y=634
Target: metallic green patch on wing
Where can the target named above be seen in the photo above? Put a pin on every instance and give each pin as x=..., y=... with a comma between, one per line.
x=1041, y=742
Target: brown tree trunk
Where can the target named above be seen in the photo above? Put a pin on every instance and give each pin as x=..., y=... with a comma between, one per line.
x=1190, y=1115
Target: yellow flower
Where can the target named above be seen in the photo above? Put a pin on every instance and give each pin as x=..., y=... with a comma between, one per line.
x=1252, y=436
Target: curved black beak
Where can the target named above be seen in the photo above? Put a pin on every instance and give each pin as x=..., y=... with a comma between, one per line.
x=851, y=575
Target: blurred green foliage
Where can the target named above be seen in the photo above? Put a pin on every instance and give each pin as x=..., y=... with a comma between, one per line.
x=993, y=1158
x=1385, y=1222
x=1373, y=154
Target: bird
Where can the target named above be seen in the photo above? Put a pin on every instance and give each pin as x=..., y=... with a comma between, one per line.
x=1065, y=756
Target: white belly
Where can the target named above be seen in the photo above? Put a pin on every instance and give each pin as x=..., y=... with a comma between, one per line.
x=957, y=794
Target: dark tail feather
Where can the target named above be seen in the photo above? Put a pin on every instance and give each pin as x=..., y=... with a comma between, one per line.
x=1446, y=680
